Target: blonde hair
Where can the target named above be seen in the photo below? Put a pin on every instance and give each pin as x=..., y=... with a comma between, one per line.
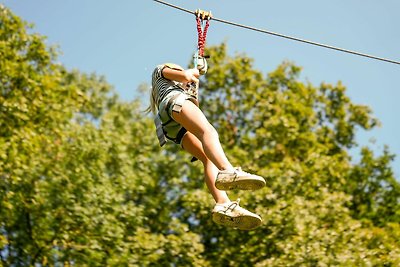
x=153, y=105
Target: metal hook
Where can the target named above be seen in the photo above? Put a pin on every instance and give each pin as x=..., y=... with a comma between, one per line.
x=204, y=15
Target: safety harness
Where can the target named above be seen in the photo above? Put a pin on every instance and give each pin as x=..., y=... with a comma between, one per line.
x=202, y=24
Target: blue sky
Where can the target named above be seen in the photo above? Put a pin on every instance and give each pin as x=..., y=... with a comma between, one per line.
x=124, y=39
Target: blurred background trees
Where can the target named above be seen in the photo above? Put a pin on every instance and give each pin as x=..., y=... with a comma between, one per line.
x=84, y=183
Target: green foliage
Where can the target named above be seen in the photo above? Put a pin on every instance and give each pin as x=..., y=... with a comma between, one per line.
x=319, y=208
x=375, y=191
x=83, y=181
x=77, y=168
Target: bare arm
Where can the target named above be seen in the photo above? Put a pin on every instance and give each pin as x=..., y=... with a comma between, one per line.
x=185, y=76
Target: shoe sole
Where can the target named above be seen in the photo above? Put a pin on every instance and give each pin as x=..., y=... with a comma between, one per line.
x=243, y=222
x=243, y=184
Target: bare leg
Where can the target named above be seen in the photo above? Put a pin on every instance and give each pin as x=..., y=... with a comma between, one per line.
x=193, y=119
x=193, y=145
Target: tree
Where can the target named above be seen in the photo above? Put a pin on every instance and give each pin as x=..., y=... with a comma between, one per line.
x=77, y=167
x=298, y=136
x=83, y=181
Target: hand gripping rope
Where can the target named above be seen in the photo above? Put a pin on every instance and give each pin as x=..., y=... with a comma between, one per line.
x=203, y=22
x=200, y=63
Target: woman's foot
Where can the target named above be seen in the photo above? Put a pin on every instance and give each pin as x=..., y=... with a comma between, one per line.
x=238, y=179
x=230, y=214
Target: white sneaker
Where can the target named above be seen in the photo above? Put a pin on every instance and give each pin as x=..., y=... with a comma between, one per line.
x=238, y=179
x=232, y=215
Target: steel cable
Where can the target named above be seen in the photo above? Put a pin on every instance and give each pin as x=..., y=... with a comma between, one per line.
x=286, y=36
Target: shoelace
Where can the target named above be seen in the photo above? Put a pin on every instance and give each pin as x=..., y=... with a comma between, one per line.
x=239, y=169
x=232, y=206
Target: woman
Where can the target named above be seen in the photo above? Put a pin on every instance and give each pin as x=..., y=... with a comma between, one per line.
x=174, y=99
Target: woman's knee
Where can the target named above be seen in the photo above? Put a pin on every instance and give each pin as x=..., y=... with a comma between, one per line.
x=209, y=132
x=191, y=144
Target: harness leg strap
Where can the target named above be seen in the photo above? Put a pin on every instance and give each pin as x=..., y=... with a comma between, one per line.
x=159, y=130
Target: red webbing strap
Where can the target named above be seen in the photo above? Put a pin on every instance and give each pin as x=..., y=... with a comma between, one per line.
x=202, y=35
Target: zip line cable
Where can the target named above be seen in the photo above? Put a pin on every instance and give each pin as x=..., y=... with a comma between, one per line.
x=283, y=36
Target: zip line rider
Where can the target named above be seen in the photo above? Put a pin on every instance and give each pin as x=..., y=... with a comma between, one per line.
x=174, y=100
